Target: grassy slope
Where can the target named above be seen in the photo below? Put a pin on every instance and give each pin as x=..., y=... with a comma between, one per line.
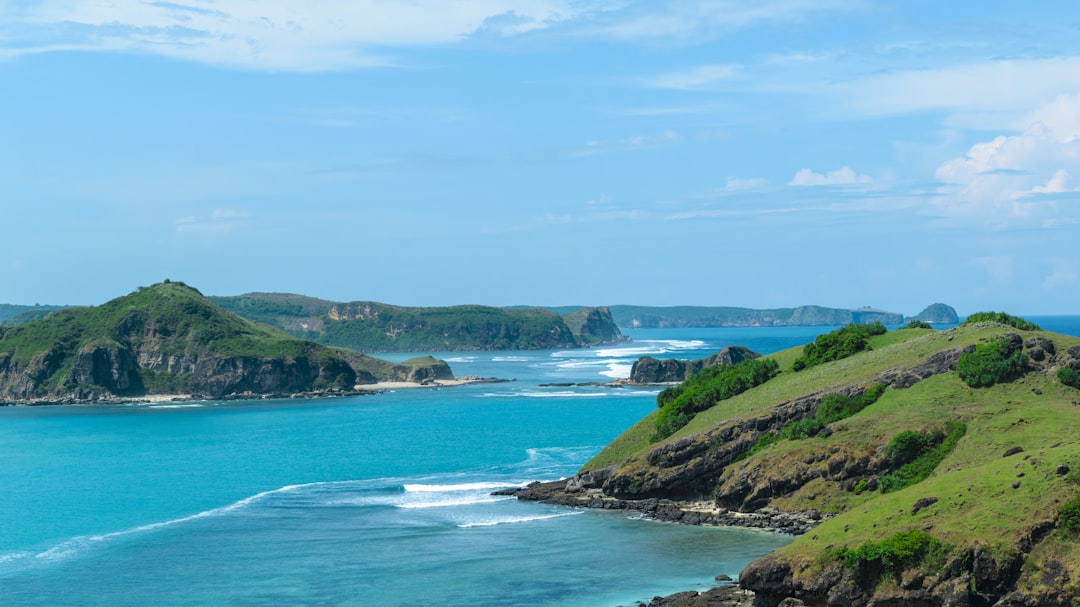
x=977, y=501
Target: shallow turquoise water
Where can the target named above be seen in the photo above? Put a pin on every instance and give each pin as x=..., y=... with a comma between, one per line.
x=381, y=499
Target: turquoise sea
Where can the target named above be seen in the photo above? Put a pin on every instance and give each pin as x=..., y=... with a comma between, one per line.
x=370, y=500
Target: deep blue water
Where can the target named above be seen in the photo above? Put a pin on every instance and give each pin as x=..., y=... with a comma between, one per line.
x=370, y=500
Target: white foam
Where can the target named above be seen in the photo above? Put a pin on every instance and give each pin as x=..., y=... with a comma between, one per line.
x=180, y=406
x=511, y=359
x=618, y=370
x=564, y=394
x=461, y=501
x=422, y=488
x=461, y=359
x=515, y=519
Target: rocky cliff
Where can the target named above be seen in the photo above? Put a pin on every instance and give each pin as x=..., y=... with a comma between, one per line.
x=908, y=485
x=376, y=327
x=169, y=339
x=649, y=370
x=646, y=317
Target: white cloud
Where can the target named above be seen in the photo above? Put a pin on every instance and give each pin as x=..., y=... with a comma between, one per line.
x=736, y=184
x=842, y=176
x=677, y=20
x=343, y=34
x=220, y=223
x=994, y=94
x=701, y=76
x=1063, y=276
x=1018, y=178
x=267, y=34
x=637, y=142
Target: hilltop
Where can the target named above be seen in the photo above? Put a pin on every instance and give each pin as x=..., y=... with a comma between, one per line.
x=921, y=467
x=170, y=339
x=376, y=327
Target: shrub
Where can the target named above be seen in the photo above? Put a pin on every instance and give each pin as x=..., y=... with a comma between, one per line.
x=919, y=324
x=908, y=445
x=708, y=387
x=936, y=447
x=1069, y=516
x=1003, y=318
x=836, y=407
x=837, y=344
x=892, y=554
x=801, y=429
x=1068, y=377
x=995, y=362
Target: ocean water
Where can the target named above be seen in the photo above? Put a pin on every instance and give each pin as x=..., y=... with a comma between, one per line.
x=369, y=500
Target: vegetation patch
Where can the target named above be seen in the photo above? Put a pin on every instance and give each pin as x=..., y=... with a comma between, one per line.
x=1001, y=318
x=703, y=390
x=893, y=554
x=836, y=407
x=1069, y=377
x=919, y=324
x=838, y=344
x=918, y=454
x=997, y=362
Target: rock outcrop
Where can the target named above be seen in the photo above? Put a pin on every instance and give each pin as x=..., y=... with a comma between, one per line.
x=649, y=370
x=938, y=313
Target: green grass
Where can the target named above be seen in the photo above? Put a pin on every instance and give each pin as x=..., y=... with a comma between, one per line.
x=169, y=318
x=974, y=483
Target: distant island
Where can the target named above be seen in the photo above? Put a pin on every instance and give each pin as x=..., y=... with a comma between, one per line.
x=168, y=339
x=368, y=326
x=376, y=327
x=918, y=467
x=652, y=317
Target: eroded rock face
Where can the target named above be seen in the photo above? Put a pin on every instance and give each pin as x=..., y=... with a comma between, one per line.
x=113, y=368
x=972, y=577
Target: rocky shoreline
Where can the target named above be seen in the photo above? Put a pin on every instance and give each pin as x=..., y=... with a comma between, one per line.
x=93, y=398
x=687, y=512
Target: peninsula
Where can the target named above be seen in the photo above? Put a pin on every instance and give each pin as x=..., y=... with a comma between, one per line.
x=168, y=339
x=377, y=327
x=919, y=467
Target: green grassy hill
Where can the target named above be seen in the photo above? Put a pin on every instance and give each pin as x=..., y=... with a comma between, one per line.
x=168, y=339
x=376, y=327
x=931, y=491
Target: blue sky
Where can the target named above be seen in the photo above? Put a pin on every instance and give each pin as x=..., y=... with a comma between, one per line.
x=761, y=154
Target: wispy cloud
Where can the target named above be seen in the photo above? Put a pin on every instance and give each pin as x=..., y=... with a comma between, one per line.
x=267, y=34
x=990, y=93
x=220, y=223
x=345, y=34
x=360, y=117
x=674, y=21
x=702, y=76
x=842, y=176
x=596, y=147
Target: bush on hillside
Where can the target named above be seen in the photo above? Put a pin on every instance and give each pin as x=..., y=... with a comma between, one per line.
x=1068, y=377
x=1003, y=318
x=836, y=407
x=1069, y=516
x=996, y=362
x=894, y=553
x=925, y=453
x=801, y=429
x=706, y=388
x=919, y=324
x=838, y=344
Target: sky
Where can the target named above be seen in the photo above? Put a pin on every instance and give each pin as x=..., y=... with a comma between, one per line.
x=752, y=153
